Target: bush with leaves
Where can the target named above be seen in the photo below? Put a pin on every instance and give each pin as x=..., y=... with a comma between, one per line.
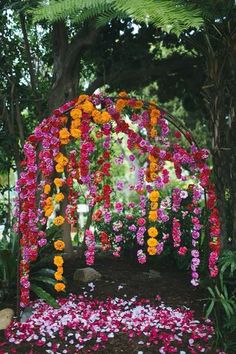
x=222, y=302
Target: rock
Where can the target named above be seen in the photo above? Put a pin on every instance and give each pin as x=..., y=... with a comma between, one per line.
x=86, y=275
x=6, y=317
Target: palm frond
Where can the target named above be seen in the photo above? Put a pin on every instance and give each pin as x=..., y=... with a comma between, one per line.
x=167, y=14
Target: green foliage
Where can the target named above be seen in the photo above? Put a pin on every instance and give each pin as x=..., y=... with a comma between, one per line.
x=175, y=15
x=44, y=295
x=8, y=265
x=222, y=302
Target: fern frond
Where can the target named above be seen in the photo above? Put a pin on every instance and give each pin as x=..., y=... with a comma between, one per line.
x=167, y=14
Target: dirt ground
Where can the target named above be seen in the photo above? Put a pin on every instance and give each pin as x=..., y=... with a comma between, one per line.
x=124, y=277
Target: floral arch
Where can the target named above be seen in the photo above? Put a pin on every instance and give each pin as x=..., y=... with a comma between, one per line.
x=71, y=149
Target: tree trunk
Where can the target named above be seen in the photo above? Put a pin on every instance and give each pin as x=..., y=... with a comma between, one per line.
x=220, y=98
x=66, y=73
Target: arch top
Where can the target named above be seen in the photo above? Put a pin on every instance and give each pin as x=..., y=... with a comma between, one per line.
x=79, y=151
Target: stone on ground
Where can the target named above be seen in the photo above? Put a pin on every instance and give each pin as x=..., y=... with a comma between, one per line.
x=6, y=317
x=86, y=275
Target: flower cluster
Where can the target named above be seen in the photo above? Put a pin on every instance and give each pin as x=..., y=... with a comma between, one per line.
x=90, y=244
x=59, y=246
x=84, y=324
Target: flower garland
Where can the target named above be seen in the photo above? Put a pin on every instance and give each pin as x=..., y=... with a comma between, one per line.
x=59, y=246
x=46, y=155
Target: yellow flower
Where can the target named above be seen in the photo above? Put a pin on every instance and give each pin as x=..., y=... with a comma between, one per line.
x=152, y=251
x=59, y=168
x=154, y=115
x=76, y=113
x=58, y=182
x=154, y=205
x=58, y=220
x=154, y=195
x=58, y=276
x=87, y=107
x=59, y=245
x=58, y=261
x=152, y=216
x=47, y=188
x=152, y=242
x=59, y=197
x=152, y=232
x=59, y=287
x=76, y=133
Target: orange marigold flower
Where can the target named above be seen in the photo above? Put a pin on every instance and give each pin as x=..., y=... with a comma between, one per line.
x=154, y=195
x=154, y=205
x=152, y=216
x=153, y=166
x=59, y=197
x=58, y=182
x=153, y=176
x=120, y=104
x=48, y=211
x=122, y=94
x=59, y=287
x=153, y=133
x=76, y=113
x=152, y=251
x=152, y=232
x=106, y=117
x=47, y=188
x=152, y=158
x=76, y=133
x=58, y=276
x=63, y=119
x=138, y=104
x=81, y=99
x=61, y=159
x=152, y=242
x=87, y=107
x=75, y=124
x=60, y=269
x=58, y=261
x=58, y=220
x=59, y=168
x=59, y=245
x=64, y=134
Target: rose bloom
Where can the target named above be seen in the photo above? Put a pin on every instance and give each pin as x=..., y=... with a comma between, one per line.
x=140, y=221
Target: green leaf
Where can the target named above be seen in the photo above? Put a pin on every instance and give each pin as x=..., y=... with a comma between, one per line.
x=44, y=295
x=210, y=308
x=43, y=279
x=43, y=271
